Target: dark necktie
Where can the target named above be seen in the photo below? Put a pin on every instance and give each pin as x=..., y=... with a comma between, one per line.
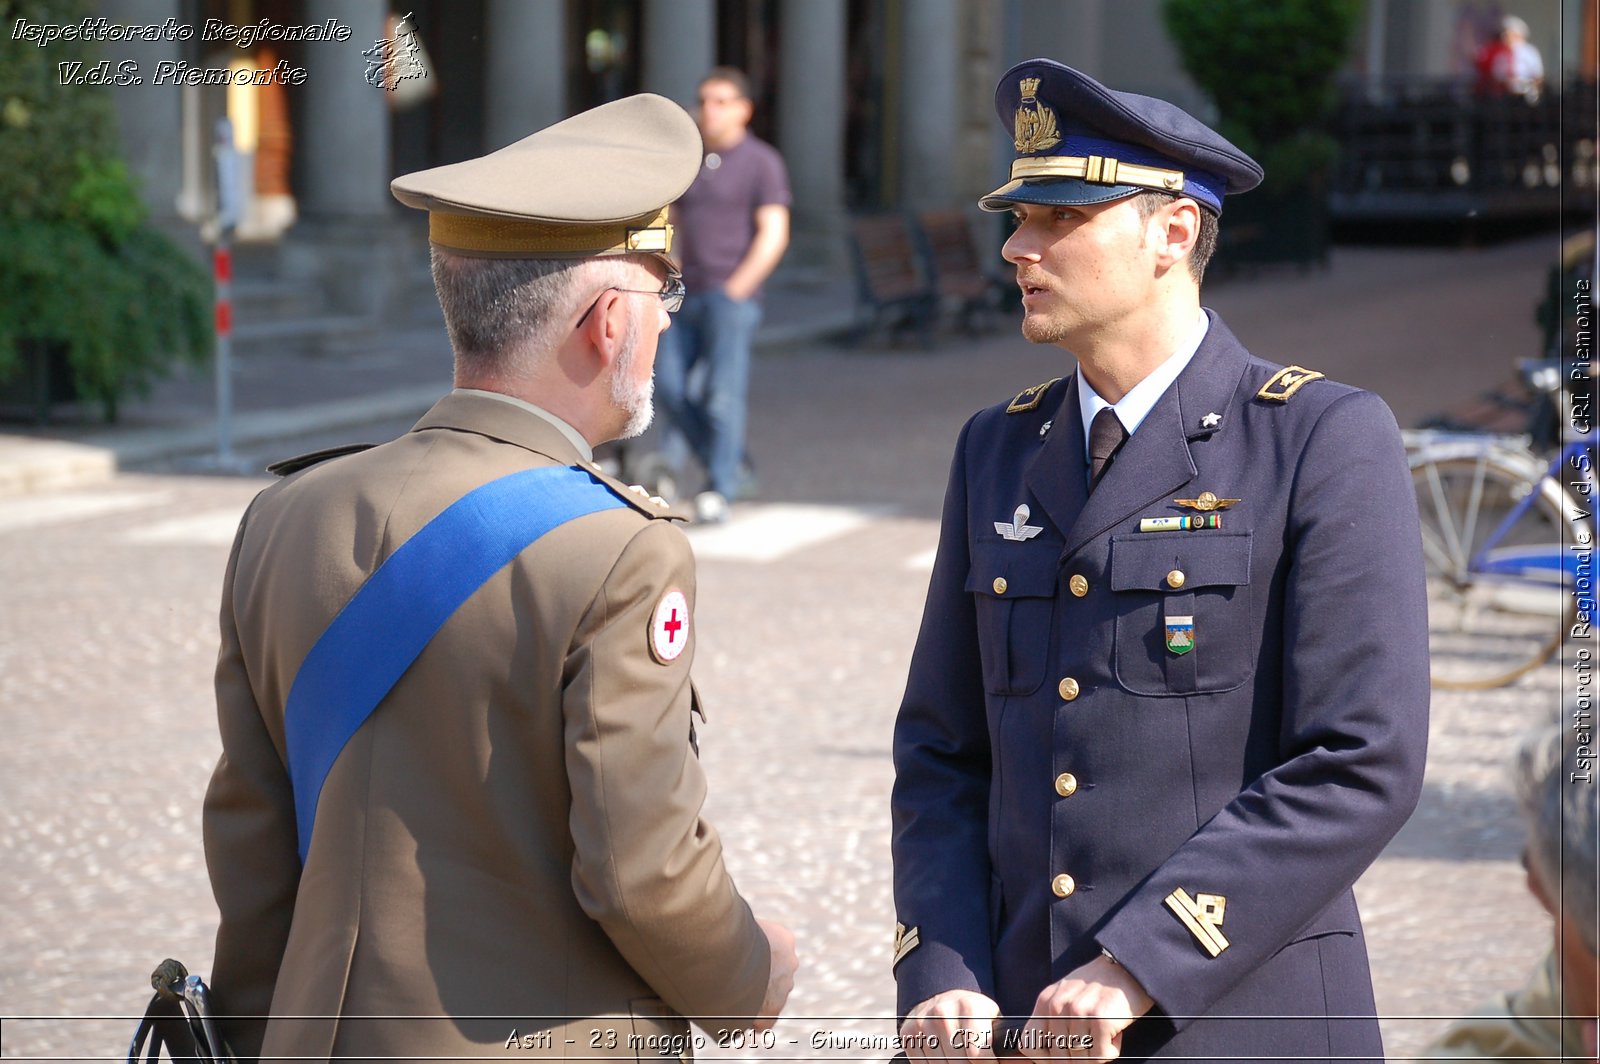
x=1106, y=434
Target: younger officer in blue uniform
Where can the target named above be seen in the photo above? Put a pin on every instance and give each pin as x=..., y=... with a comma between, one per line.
x=1170, y=695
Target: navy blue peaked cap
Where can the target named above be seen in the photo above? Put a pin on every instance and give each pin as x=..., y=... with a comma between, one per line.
x=1079, y=142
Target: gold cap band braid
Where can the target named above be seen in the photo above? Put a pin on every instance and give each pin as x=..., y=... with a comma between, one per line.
x=468, y=233
x=1097, y=169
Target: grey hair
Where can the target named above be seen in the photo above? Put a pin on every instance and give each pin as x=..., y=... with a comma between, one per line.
x=1563, y=817
x=504, y=315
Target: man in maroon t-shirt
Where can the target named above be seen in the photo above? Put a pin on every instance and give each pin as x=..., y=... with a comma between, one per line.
x=733, y=227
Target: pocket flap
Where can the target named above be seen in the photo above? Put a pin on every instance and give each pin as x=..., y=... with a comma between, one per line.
x=1339, y=918
x=1142, y=561
x=1027, y=569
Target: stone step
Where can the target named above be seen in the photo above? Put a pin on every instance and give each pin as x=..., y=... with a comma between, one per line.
x=259, y=299
x=313, y=335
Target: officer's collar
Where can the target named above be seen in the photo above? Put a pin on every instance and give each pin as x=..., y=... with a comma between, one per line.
x=506, y=422
x=1134, y=407
x=1207, y=385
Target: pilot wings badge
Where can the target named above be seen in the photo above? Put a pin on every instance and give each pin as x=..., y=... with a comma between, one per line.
x=1017, y=530
x=1035, y=126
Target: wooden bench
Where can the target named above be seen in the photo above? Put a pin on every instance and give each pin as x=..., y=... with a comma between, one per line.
x=892, y=282
x=966, y=287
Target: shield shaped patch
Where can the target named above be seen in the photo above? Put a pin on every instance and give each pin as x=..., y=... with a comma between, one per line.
x=1180, y=634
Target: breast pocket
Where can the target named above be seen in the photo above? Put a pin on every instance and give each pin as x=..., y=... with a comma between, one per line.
x=1184, y=612
x=1015, y=588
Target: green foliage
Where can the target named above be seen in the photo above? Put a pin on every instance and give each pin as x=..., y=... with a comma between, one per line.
x=1269, y=67
x=80, y=265
x=125, y=309
x=44, y=125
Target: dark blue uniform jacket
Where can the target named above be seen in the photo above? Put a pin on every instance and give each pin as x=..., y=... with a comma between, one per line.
x=1066, y=782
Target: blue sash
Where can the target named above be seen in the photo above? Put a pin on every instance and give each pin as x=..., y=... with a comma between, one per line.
x=382, y=629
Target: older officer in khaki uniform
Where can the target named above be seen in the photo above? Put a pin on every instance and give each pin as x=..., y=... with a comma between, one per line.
x=1170, y=694
x=458, y=808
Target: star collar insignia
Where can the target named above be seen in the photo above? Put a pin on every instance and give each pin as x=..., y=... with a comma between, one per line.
x=1211, y=420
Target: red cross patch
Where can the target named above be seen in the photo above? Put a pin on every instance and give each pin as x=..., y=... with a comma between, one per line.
x=669, y=631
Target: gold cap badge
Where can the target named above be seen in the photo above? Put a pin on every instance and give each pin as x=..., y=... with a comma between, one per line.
x=1035, y=126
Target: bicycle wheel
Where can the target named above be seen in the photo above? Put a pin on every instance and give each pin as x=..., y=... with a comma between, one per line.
x=1498, y=600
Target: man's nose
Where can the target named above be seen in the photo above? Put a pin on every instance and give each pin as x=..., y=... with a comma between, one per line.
x=1019, y=247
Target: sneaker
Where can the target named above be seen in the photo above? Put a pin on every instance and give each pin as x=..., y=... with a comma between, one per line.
x=710, y=508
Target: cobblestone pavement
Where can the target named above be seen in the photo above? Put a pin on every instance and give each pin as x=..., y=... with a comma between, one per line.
x=809, y=603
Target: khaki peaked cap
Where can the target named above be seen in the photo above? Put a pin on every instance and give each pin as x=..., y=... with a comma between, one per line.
x=597, y=183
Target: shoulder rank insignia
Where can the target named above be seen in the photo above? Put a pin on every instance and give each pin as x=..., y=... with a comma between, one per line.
x=1029, y=398
x=1286, y=382
x=1205, y=502
x=905, y=940
x=288, y=466
x=1202, y=915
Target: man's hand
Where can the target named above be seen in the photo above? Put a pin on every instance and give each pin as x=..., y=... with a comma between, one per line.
x=763, y=254
x=954, y=1025
x=1082, y=1017
x=780, y=979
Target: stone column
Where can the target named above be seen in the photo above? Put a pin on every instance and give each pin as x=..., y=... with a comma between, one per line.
x=811, y=115
x=1375, y=45
x=1434, y=38
x=347, y=239
x=343, y=133
x=929, y=76
x=679, y=46
x=526, y=79
x=1068, y=33
x=149, y=117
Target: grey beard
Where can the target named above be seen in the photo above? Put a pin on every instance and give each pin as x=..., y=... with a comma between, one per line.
x=635, y=400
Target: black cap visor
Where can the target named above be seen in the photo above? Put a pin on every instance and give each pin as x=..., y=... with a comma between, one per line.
x=1054, y=192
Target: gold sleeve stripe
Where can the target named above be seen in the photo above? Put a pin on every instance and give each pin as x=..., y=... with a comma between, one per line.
x=1202, y=915
x=904, y=943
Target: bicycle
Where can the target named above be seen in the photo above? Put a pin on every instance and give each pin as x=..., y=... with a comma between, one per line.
x=1499, y=528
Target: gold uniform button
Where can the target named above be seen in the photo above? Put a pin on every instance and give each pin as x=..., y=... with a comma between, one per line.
x=999, y=585
x=1063, y=885
x=1175, y=578
x=1068, y=689
x=1078, y=585
x=1066, y=785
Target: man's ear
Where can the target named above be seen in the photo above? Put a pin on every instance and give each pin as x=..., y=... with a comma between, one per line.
x=606, y=325
x=1180, y=228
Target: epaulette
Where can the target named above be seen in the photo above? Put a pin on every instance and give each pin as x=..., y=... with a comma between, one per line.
x=1284, y=383
x=636, y=496
x=287, y=466
x=1029, y=398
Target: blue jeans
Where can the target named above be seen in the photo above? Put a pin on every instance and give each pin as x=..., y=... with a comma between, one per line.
x=718, y=331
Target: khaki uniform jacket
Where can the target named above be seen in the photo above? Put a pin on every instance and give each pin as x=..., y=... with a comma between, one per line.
x=511, y=845
x=1524, y=1026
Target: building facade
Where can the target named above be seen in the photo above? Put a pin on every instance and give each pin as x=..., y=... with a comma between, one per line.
x=875, y=104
